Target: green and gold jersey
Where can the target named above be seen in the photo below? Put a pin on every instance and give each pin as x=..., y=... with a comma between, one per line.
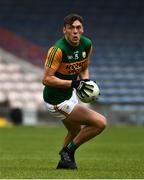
x=68, y=61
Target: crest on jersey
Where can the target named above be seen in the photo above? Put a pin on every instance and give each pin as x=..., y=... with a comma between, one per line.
x=84, y=54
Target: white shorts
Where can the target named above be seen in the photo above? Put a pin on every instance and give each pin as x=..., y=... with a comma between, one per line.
x=62, y=110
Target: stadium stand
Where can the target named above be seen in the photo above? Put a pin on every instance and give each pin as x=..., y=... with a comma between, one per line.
x=116, y=28
x=21, y=86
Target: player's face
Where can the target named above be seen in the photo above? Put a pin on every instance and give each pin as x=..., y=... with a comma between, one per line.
x=73, y=32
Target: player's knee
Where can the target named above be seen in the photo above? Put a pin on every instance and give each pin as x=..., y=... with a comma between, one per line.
x=101, y=123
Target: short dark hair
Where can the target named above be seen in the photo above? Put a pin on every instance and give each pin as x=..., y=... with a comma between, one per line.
x=69, y=19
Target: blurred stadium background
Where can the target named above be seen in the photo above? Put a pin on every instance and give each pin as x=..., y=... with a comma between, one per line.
x=28, y=28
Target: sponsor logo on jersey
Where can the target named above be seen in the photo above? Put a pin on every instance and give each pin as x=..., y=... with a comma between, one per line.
x=75, y=67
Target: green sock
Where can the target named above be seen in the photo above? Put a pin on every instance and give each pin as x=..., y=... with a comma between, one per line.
x=72, y=146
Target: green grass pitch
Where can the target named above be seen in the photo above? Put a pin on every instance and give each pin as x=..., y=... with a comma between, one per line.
x=32, y=152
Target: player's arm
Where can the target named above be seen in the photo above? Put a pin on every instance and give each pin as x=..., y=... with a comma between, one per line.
x=84, y=74
x=52, y=63
x=49, y=79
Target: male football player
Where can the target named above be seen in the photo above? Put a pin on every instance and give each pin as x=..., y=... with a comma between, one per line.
x=66, y=71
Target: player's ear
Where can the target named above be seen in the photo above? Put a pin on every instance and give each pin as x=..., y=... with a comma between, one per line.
x=82, y=30
x=64, y=30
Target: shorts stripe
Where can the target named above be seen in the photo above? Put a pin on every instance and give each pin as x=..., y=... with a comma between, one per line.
x=59, y=110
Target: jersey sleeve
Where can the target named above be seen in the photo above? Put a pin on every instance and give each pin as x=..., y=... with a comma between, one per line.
x=54, y=57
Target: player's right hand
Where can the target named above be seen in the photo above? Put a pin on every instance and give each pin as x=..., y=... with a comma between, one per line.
x=80, y=85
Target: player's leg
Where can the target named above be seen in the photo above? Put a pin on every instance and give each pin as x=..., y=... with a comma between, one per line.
x=73, y=130
x=94, y=124
x=65, y=153
x=93, y=121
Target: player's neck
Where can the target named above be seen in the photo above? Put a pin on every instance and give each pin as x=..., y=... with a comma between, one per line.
x=72, y=44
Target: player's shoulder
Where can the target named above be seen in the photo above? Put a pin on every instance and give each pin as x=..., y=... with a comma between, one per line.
x=86, y=41
x=60, y=43
x=57, y=46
